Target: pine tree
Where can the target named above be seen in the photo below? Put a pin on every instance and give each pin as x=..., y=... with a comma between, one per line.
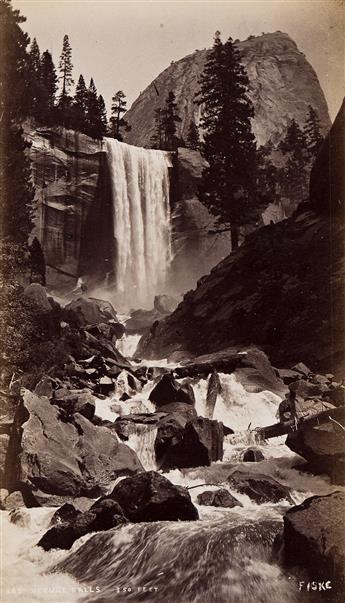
x=92, y=111
x=157, y=136
x=66, y=67
x=169, y=119
x=229, y=181
x=312, y=132
x=295, y=173
x=193, y=138
x=117, y=122
x=49, y=81
x=35, y=58
x=16, y=189
x=80, y=105
x=102, y=111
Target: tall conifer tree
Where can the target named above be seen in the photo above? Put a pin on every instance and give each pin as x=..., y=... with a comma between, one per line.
x=49, y=81
x=312, y=132
x=117, y=122
x=80, y=105
x=228, y=186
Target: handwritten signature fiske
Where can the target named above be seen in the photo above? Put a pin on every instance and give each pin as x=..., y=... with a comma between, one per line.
x=319, y=586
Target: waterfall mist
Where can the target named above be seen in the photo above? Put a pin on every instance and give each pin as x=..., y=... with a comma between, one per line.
x=141, y=216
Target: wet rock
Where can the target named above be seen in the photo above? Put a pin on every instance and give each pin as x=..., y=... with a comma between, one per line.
x=103, y=515
x=259, y=487
x=57, y=459
x=322, y=447
x=66, y=513
x=152, y=497
x=253, y=455
x=14, y=501
x=105, y=385
x=168, y=391
x=141, y=321
x=196, y=444
x=218, y=498
x=165, y=304
x=20, y=517
x=305, y=389
x=250, y=365
x=3, y=495
x=213, y=389
x=133, y=423
x=314, y=538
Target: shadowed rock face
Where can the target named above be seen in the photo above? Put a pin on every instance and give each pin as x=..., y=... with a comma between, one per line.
x=282, y=85
x=282, y=290
x=74, y=210
x=313, y=538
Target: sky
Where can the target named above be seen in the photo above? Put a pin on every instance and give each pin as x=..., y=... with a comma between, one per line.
x=126, y=44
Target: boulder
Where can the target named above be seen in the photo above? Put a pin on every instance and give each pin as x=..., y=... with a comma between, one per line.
x=150, y=496
x=250, y=365
x=3, y=495
x=252, y=455
x=44, y=387
x=75, y=401
x=141, y=321
x=196, y=444
x=4, y=443
x=165, y=304
x=56, y=459
x=37, y=295
x=288, y=375
x=305, y=389
x=65, y=513
x=103, y=515
x=168, y=391
x=218, y=498
x=14, y=501
x=213, y=389
x=259, y=487
x=302, y=369
x=322, y=447
x=314, y=538
x=87, y=311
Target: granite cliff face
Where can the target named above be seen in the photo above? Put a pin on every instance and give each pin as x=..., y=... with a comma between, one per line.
x=282, y=289
x=282, y=85
x=73, y=211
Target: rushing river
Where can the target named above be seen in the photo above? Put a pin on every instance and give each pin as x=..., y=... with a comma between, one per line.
x=223, y=558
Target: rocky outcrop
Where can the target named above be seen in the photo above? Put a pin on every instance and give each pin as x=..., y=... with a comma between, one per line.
x=282, y=289
x=282, y=85
x=56, y=459
x=314, y=539
x=152, y=497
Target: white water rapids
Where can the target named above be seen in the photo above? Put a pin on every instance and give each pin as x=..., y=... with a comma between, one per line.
x=141, y=215
x=223, y=558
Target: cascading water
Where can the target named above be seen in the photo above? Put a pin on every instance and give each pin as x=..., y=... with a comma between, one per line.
x=141, y=214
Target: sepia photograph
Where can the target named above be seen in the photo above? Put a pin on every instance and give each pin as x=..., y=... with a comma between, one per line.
x=172, y=301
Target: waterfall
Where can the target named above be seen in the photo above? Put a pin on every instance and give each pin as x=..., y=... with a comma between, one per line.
x=141, y=214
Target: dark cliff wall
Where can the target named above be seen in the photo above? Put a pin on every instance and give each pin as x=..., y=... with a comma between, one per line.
x=70, y=176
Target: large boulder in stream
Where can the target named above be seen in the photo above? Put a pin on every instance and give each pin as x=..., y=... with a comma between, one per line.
x=314, y=539
x=55, y=459
x=323, y=448
x=152, y=497
x=260, y=488
x=103, y=515
x=197, y=444
x=218, y=498
x=168, y=391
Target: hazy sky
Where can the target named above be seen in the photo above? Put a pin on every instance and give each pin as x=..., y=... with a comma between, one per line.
x=126, y=44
